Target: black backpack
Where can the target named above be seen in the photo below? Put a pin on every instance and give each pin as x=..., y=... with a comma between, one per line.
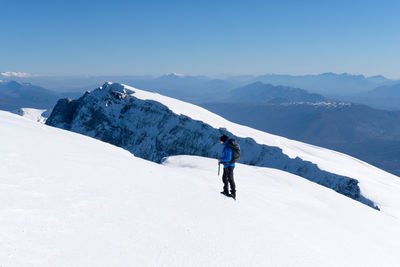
x=236, y=154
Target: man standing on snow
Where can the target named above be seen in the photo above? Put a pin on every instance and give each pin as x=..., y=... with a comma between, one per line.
x=229, y=164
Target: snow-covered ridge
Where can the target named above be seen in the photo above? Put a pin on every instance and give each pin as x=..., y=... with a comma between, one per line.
x=71, y=200
x=153, y=126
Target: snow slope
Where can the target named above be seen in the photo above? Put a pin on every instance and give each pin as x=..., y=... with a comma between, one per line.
x=70, y=200
x=32, y=114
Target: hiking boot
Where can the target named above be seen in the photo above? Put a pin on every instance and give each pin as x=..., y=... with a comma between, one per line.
x=226, y=193
x=233, y=194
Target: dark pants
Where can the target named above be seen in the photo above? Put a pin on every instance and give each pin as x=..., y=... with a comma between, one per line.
x=227, y=178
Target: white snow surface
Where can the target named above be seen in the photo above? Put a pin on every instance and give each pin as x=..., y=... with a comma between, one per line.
x=70, y=200
x=377, y=185
x=32, y=114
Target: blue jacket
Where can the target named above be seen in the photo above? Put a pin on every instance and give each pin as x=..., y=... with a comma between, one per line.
x=226, y=155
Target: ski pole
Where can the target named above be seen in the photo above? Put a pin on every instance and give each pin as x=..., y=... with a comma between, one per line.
x=219, y=166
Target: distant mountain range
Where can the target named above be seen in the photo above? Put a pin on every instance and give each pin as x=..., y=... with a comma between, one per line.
x=200, y=89
x=328, y=84
x=259, y=92
x=312, y=88
x=194, y=89
x=15, y=95
x=383, y=97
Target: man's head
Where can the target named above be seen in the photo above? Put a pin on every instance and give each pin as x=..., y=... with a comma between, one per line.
x=223, y=139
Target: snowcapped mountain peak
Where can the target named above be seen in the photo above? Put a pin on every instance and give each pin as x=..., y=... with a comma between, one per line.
x=106, y=84
x=175, y=74
x=109, y=86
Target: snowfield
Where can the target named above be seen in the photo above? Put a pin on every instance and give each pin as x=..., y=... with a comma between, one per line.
x=70, y=200
x=32, y=114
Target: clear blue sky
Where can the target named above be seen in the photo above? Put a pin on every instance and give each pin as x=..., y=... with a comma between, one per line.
x=200, y=37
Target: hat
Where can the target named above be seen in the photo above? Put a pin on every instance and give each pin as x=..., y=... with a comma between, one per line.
x=223, y=138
